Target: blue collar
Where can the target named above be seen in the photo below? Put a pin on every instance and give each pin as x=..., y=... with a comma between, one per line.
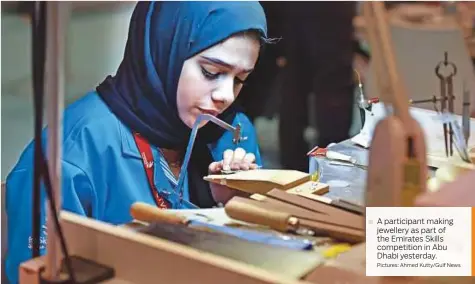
x=128, y=146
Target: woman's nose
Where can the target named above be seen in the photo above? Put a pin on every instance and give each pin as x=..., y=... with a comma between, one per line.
x=224, y=93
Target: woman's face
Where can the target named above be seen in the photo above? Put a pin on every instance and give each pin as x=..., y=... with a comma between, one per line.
x=211, y=80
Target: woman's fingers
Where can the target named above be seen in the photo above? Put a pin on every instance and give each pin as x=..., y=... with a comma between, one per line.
x=227, y=159
x=247, y=161
x=234, y=160
x=249, y=158
x=238, y=158
x=215, y=167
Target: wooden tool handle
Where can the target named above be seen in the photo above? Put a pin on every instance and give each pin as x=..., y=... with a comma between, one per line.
x=248, y=210
x=148, y=213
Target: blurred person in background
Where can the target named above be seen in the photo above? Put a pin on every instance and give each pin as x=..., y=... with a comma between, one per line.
x=315, y=55
x=319, y=47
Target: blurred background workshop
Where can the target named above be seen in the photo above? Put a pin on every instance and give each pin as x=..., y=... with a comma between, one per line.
x=314, y=100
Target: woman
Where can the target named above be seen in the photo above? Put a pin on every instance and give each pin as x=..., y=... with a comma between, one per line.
x=124, y=142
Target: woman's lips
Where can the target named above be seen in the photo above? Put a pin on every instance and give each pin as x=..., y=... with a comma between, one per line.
x=209, y=111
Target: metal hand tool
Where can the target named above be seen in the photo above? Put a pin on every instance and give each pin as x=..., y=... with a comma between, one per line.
x=191, y=142
x=447, y=98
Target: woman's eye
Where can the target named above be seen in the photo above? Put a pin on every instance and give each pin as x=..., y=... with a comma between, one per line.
x=209, y=75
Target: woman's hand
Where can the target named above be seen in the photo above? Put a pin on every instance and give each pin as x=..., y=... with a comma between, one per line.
x=232, y=160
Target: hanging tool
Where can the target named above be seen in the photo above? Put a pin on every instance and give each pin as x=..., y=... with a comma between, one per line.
x=447, y=98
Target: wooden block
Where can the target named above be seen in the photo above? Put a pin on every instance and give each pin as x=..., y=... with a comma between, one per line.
x=340, y=216
x=296, y=211
x=324, y=225
x=261, y=180
x=316, y=197
x=311, y=210
x=305, y=190
x=30, y=270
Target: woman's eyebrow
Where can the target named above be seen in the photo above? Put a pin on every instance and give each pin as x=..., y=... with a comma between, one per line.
x=225, y=64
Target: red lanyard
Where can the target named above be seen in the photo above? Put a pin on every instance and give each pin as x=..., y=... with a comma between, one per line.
x=148, y=164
